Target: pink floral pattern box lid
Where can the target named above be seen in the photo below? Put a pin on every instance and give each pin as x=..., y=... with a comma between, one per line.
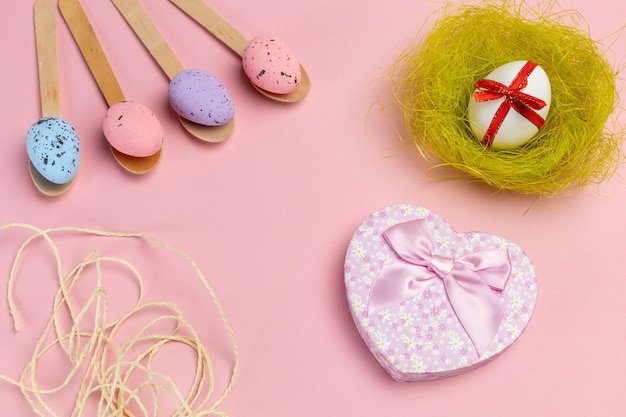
x=430, y=302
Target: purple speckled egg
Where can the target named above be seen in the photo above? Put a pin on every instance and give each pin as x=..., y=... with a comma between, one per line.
x=270, y=65
x=201, y=98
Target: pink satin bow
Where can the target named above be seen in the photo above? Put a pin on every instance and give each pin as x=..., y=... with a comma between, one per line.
x=469, y=280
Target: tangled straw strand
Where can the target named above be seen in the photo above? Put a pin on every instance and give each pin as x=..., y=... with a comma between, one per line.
x=433, y=82
x=105, y=364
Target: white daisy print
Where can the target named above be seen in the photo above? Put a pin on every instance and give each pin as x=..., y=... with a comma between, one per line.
x=418, y=364
x=407, y=318
x=500, y=242
x=516, y=301
x=406, y=209
x=513, y=330
x=358, y=250
x=443, y=241
x=455, y=344
x=383, y=344
x=384, y=316
x=383, y=257
x=358, y=305
x=409, y=342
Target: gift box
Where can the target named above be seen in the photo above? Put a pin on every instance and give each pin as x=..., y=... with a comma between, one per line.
x=430, y=302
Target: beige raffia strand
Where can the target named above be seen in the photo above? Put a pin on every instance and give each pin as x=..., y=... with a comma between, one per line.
x=104, y=365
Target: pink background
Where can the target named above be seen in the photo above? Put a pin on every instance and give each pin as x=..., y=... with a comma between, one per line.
x=268, y=215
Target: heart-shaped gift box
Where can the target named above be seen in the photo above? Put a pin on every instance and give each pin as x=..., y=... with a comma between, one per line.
x=430, y=302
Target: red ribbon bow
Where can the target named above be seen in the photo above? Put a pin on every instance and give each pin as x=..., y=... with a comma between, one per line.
x=523, y=103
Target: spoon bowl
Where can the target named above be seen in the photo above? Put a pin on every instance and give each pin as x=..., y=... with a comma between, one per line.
x=45, y=186
x=218, y=133
x=137, y=165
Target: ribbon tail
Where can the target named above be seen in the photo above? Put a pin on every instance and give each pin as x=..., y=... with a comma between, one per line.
x=529, y=114
x=497, y=121
x=478, y=309
x=397, y=282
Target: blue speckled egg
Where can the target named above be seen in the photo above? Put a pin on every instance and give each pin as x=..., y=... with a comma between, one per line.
x=200, y=97
x=53, y=149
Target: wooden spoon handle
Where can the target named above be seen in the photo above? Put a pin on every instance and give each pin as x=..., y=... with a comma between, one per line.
x=47, y=57
x=147, y=32
x=90, y=47
x=214, y=23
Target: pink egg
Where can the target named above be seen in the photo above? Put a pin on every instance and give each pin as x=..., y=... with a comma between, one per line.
x=133, y=129
x=270, y=65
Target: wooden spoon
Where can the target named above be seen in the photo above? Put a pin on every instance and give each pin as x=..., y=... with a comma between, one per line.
x=231, y=37
x=147, y=32
x=49, y=85
x=92, y=52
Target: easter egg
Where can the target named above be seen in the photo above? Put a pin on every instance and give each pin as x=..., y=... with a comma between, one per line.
x=201, y=98
x=133, y=129
x=510, y=105
x=270, y=65
x=54, y=149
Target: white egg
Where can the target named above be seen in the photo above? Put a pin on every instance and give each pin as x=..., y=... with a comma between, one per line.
x=512, y=129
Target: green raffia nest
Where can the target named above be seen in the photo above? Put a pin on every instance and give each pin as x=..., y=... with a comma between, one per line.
x=434, y=80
